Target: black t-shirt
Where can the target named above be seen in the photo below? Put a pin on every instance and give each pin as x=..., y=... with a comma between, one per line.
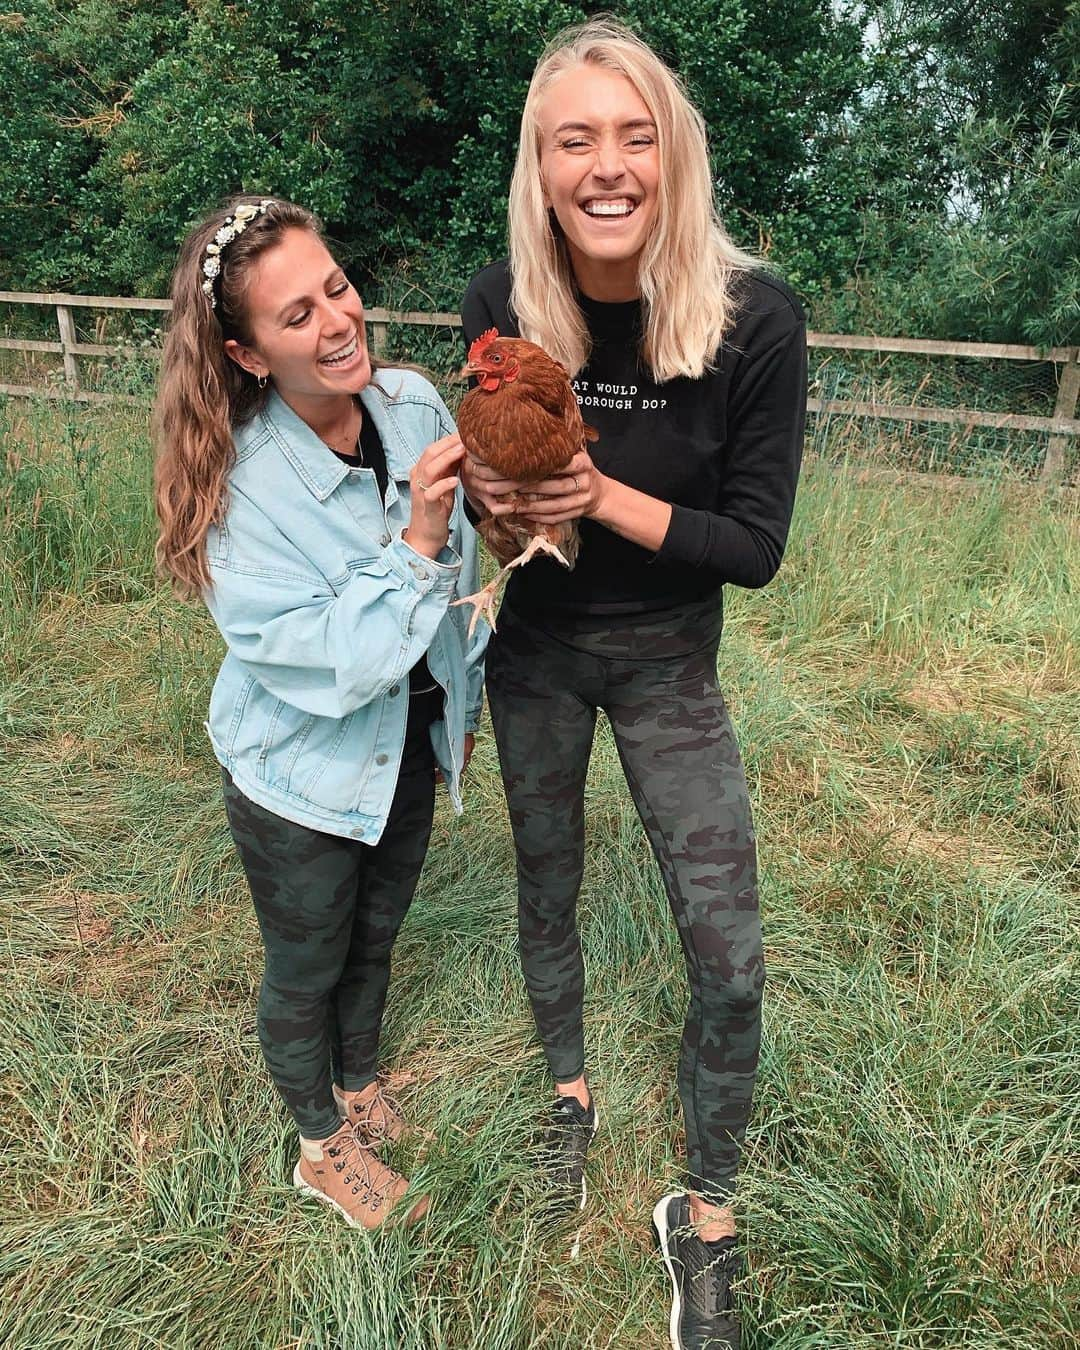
x=724, y=449
x=371, y=455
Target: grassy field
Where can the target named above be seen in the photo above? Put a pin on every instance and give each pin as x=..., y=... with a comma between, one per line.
x=907, y=694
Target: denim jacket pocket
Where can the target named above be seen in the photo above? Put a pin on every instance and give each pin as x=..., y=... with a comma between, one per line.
x=286, y=735
x=327, y=759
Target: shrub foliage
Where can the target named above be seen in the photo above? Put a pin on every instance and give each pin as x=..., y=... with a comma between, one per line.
x=901, y=164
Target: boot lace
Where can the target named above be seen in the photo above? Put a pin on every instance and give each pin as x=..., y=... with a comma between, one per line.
x=368, y=1179
x=381, y=1113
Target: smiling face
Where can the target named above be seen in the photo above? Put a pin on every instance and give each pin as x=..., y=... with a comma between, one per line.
x=306, y=324
x=600, y=166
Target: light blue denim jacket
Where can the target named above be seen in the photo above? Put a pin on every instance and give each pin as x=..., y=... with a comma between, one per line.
x=325, y=609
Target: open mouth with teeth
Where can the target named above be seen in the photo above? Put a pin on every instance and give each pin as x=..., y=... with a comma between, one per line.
x=611, y=208
x=342, y=355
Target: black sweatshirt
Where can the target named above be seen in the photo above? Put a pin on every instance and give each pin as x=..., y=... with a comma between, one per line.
x=723, y=449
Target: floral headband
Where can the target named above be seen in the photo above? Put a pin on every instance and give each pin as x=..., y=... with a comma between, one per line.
x=232, y=226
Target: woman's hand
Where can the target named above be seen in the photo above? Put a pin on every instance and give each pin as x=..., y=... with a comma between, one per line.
x=486, y=487
x=432, y=484
x=578, y=490
x=582, y=490
x=470, y=745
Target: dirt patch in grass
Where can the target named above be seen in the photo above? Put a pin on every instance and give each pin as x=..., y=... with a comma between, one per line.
x=933, y=695
x=148, y=1139
x=122, y=973
x=953, y=852
x=1004, y=694
x=95, y=914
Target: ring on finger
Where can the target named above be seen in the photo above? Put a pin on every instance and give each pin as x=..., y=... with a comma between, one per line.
x=421, y=485
x=577, y=485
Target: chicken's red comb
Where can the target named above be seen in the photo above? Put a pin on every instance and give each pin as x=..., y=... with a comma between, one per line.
x=482, y=343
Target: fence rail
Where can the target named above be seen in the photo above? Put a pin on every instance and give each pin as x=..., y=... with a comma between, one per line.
x=1061, y=424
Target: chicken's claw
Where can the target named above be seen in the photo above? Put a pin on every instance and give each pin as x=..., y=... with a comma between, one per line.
x=539, y=543
x=483, y=602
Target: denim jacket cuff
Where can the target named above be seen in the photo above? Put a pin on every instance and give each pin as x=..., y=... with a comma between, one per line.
x=422, y=573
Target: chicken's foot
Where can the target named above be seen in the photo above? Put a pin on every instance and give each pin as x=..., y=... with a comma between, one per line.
x=539, y=543
x=483, y=601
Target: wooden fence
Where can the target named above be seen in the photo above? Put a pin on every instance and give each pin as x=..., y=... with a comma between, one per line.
x=1061, y=424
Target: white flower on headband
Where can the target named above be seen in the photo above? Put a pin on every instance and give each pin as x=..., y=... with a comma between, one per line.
x=232, y=226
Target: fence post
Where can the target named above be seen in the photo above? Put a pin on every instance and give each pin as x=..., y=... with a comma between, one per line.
x=1053, y=469
x=378, y=338
x=67, y=339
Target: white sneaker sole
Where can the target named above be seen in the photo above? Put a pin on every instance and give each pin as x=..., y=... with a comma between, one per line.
x=659, y=1218
x=302, y=1186
x=575, y=1246
x=595, y=1128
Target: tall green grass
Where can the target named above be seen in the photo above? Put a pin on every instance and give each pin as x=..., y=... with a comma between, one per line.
x=908, y=701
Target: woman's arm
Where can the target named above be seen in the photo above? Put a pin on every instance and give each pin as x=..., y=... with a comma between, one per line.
x=743, y=541
x=330, y=651
x=463, y=540
x=475, y=646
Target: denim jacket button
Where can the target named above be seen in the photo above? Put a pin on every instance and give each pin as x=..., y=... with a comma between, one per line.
x=395, y=689
x=381, y=759
x=384, y=539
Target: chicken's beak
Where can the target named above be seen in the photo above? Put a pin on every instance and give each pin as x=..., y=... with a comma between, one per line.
x=466, y=371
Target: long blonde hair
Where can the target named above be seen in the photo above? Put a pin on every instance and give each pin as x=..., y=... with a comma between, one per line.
x=689, y=263
x=202, y=393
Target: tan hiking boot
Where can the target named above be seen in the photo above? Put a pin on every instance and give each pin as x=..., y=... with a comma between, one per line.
x=344, y=1173
x=373, y=1113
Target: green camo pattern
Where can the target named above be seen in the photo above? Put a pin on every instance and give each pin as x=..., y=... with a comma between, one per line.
x=329, y=911
x=655, y=678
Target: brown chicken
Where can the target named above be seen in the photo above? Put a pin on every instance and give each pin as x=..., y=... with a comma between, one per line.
x=521, y=419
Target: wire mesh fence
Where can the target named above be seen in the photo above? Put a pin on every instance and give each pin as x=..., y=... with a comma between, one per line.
x=934, y=381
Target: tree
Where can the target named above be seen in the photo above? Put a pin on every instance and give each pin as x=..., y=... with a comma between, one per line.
x=972, y=116
x=396, y=121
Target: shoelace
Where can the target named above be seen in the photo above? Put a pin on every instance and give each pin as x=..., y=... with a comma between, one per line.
x=353, y=1153
x=388, y=1106
x=566, y=1140
x=715, y=1274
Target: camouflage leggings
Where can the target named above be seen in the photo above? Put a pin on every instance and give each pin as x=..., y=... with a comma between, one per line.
x=655, y=678
x=329, y=910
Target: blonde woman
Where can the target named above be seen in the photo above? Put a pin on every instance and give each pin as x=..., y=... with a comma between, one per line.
x=689, y=360
x=311, y=499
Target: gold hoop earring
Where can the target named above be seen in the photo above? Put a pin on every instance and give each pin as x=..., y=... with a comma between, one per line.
x=261, y=381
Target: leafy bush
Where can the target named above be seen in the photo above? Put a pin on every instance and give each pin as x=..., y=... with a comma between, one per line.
x=902, y=164
x=397, y=123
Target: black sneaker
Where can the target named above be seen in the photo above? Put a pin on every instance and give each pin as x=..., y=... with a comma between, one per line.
x=570, y=1130
x=702, y=1316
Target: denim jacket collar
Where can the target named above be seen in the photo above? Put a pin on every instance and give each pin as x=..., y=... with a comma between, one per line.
x=319, y=468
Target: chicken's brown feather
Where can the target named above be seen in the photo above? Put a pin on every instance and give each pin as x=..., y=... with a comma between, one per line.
x=527, y=429
x=516, y=436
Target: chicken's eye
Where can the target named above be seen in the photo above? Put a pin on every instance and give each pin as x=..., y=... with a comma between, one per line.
x=496, y=359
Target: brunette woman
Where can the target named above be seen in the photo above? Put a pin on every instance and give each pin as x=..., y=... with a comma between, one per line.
x=310, y=497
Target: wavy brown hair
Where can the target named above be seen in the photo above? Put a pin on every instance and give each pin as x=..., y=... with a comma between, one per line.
x=202, y=393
